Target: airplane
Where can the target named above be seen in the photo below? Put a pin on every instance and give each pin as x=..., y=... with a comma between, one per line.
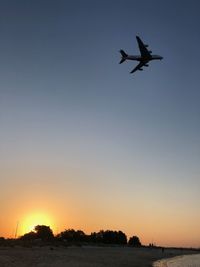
x=144, y=57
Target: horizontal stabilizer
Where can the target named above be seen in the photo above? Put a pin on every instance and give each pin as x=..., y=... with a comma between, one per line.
x=124, y=56
x=123, y=53
x=122, y=60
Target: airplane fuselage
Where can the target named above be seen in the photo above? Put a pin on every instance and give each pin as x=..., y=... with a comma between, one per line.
x=143, y=59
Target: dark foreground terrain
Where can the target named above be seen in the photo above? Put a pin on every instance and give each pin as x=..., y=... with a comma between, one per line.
x=83, y=256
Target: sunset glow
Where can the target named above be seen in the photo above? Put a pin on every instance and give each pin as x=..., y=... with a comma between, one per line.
x=31, y=220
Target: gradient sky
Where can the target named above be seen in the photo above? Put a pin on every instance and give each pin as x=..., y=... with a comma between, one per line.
x=86, y=145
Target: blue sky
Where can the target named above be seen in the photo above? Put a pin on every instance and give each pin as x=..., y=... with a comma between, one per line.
x=73, y=118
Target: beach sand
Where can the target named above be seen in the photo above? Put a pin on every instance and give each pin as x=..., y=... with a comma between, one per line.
x=82, y=256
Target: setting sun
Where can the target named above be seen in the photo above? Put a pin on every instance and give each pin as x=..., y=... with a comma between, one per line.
x=31, y=220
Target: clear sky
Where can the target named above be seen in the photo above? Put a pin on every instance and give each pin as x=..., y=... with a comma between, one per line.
x=83, y=143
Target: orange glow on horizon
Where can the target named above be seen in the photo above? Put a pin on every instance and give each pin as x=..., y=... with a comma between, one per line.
x=31, y=220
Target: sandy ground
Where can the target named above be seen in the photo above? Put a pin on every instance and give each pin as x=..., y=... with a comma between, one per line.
x=82, y=256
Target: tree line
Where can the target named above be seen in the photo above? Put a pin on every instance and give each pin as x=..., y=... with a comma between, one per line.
x=70, y=236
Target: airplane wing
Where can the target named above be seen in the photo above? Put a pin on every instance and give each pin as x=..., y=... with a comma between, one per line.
x=143, y=48
x=138, y=67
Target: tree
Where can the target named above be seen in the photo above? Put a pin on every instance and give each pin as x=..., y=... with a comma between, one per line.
x=109, y=237
x=134, y=241
x=72, y=235
x=122, y=238
x=44, y=232
x=29, y=236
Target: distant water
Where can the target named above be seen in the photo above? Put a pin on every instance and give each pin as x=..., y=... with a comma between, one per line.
x=180, y=261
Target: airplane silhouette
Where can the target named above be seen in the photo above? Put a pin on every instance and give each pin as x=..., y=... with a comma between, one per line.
x=144, y=57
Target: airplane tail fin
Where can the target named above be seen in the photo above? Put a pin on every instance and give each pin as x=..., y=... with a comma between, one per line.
x=124, y=56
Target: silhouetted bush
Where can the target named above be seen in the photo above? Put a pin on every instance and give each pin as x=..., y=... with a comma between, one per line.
x=134, y=241
x=109, y=237
x=29, y=236
x=72, y=235
x=42, y=232
x=77, y=237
